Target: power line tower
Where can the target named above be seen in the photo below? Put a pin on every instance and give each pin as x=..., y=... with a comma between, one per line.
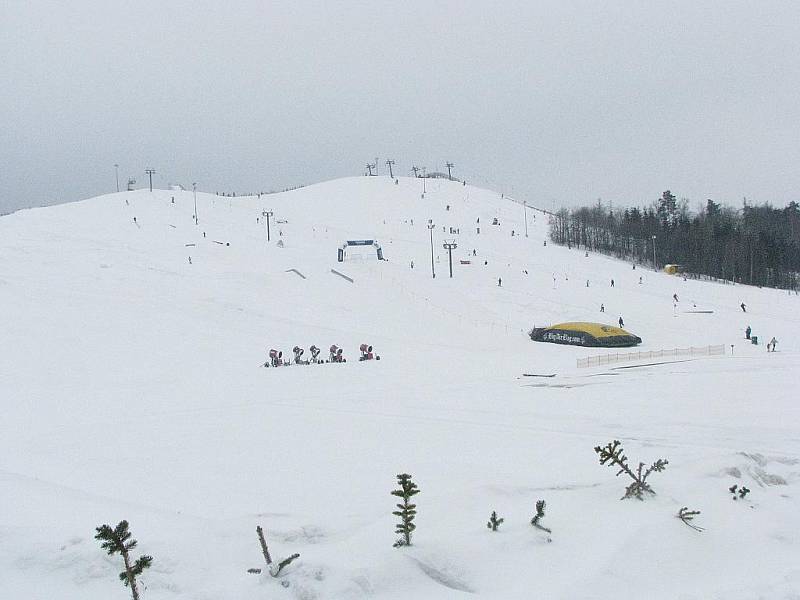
x=389, y=164
x=369, y=168
x=416, y=170
x=449, y=166
x=450, y=246
x=150, y=172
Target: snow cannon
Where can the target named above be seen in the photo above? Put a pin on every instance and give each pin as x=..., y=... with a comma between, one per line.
x=315, y=354
x=298, y=356
x=336, y=354
x=275, y=358
x=366, y=353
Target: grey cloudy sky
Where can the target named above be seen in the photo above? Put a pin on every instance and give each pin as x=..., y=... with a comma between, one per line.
x=558, y=101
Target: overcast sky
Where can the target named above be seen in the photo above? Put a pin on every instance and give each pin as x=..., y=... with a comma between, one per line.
x=555, y=102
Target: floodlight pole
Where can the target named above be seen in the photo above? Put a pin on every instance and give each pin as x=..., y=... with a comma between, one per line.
x=655, y=266
x=116, y=172
x=525, y=209
x=267, y=214
x=430, y=228
x=150, y=173
x=450, y=246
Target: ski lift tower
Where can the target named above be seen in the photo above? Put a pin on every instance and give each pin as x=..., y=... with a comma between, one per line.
x=450, y=246
x=267, y=214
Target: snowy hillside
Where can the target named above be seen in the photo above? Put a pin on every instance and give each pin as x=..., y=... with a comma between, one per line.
x=132, y=389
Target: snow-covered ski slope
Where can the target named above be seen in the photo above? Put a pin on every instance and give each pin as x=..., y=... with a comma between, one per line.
x=132, y=389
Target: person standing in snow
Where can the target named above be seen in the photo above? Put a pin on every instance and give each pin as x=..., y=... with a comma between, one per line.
x=499, y=282
x=621, y=323
x=773, y=342
x=412, y=264
x=747, y=332
x=602, y=308
x=612, y=283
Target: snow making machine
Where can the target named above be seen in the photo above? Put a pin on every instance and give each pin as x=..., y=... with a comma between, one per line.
x=336, y=355
x=298, y=356
x=275, y=359
x=366, y=353
x=315, y=355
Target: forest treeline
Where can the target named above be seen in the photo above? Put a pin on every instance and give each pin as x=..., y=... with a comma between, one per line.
x=757, y=245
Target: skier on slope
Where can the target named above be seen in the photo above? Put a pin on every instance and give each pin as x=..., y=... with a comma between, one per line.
x=744, y=308
x=621, y=323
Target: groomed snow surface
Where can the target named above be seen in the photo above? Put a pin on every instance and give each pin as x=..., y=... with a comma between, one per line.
x=132, y=389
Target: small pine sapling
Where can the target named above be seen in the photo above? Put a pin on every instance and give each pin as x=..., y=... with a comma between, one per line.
x=274, y=569
x=686, y=515
x=494, y=521
x=537, y=518
x=612, y=453
x=740, y=493
x=407, y=511
x=118, y=540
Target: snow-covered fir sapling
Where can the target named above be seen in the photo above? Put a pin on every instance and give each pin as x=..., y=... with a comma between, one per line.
x=536, y=521
x=686, y=515
x=407, y=511
x=494, y=521
x=741, y=492
x=274, y=568
x=118, y=540
x=612, y=454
